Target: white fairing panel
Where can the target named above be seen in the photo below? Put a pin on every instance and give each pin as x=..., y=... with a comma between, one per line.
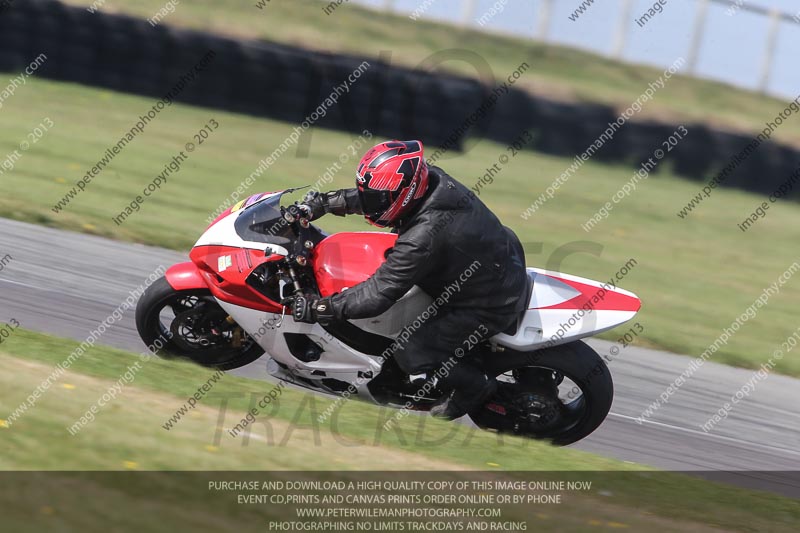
x=564, y=308
x=338, y=361
x=401, y=314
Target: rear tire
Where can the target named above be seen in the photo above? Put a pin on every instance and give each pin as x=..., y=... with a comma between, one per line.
x=577, y=361
x=160, y=335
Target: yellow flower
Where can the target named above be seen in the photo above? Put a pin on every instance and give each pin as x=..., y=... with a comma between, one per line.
x=130, y=465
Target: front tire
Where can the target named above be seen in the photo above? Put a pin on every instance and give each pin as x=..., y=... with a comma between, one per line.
x=565, y=415
x=190, y=324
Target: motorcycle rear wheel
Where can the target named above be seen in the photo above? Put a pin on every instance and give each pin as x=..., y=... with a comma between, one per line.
x=564, y=415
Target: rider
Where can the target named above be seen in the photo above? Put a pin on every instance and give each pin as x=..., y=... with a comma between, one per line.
x=449, y=243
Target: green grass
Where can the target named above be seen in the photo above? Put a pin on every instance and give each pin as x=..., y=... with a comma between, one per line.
x=127, y=434
x=694, y=276
x=557, y=71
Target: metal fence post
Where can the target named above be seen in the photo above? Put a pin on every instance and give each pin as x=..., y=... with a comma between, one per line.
x=545, y=10
x=769, y=53
x=467, y=11
x=697, y=35
x=622, y=29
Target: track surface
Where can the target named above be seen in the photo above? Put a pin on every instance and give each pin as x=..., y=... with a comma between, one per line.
x=66, y=283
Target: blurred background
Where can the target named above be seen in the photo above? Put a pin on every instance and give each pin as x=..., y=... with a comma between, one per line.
x=748, y=43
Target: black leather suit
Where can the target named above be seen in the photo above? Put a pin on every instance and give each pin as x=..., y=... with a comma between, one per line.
x=456, y=250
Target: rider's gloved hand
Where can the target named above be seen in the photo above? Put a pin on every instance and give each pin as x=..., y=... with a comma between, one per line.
x=295, y=212
x=306, y=210
x=314, y=205
x=310, y=311
x=322, y=311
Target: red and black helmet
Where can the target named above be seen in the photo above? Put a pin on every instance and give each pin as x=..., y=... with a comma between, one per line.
x=392, y=179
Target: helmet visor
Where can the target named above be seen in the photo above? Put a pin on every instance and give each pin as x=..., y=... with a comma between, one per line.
x=374, y=203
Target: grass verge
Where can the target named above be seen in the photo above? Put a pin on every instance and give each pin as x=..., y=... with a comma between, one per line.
x=128, y=435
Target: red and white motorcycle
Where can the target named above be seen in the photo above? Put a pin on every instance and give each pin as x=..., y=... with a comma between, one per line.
x=223, y=310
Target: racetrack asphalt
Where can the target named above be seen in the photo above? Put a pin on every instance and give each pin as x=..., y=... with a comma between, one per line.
x=66, y=283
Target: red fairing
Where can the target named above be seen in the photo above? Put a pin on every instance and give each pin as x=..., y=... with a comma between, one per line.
x=344, y=260
x=185, y=276
x=224, y=270
x=596, y=298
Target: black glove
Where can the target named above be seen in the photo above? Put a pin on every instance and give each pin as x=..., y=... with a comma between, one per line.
x=323, y=311
x=313, y=205
x=310, y=311
x=297, y=211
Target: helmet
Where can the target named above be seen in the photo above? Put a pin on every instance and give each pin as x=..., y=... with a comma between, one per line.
x=392, y=178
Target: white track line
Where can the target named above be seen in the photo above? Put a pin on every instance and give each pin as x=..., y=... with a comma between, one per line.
x=20, y=283
x=710, y=435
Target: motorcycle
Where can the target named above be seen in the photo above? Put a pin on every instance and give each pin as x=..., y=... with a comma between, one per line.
x=223, y=310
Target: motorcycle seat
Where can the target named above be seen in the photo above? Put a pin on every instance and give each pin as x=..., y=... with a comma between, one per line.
x=514, y=327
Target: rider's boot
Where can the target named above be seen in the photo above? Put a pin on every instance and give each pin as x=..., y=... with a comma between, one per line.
x=469, y=389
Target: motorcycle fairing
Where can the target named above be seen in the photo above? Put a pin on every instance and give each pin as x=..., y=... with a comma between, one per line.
x=561, y=308
x=346, y=259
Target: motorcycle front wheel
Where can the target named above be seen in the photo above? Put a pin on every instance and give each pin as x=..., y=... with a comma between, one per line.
x=190, y=324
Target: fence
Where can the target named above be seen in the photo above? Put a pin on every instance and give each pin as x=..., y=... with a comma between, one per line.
x=473, y=13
